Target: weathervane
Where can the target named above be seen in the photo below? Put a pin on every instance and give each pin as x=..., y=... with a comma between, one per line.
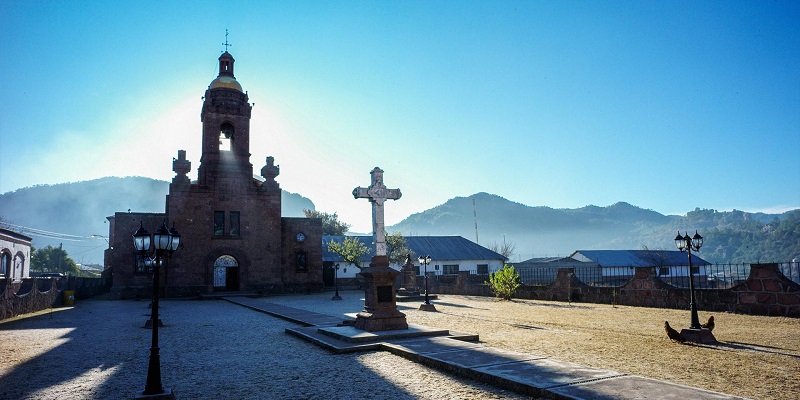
x=226, y=44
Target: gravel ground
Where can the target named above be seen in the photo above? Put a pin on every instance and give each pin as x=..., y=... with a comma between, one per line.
x=756, y=357
x=209, y=349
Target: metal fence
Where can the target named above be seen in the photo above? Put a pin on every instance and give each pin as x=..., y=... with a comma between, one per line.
x=715, y=276
x=791, y=270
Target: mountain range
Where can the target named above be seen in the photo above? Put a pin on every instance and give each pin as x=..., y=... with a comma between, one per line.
x=80, y=209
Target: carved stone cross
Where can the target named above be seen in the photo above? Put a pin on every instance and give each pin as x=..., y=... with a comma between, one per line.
x=377, y=193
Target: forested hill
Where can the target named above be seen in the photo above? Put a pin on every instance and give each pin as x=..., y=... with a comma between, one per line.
x=81, y=208
x=733, y=236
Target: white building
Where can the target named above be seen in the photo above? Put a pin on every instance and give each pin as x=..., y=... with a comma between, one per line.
x=15, y=255
x=449, y=255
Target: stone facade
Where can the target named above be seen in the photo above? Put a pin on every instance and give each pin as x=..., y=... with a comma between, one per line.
x=233, y=237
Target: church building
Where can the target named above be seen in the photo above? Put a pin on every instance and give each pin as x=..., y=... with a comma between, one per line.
x=233, y=237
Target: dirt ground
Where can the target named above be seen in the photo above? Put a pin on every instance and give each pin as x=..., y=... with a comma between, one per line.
x=756, y=357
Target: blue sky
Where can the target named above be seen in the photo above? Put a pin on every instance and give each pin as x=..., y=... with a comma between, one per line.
x=665, y=105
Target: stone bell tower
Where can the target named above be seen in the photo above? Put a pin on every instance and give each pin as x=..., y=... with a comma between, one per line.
x=226, y=130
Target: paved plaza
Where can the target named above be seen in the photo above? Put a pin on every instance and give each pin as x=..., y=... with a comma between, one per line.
x=209, y=350
x=219, y=349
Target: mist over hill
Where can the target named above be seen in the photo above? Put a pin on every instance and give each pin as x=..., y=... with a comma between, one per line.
x=734, y=236
x=81, y=208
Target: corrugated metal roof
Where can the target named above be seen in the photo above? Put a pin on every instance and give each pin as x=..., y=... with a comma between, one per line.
x=438, y=247
x=639, y=258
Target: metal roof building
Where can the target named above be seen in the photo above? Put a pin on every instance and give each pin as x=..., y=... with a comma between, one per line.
x=636, y=258
x=454, y=252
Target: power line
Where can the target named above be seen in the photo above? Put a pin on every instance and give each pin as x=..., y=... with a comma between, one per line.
x=47, y=234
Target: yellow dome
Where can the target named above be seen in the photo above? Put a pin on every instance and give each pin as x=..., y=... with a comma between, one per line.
x=223, y=81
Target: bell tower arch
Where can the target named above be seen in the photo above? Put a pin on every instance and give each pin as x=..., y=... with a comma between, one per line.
x=226, y=129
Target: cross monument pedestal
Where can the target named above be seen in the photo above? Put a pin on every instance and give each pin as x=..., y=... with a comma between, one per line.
x=380, y=304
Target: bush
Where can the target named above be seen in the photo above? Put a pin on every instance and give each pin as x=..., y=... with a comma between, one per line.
x=504, y=283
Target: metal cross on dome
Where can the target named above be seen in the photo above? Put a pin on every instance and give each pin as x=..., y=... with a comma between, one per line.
x=377, y=193
x=226, y=44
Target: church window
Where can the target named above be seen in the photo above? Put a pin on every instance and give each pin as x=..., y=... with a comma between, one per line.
x=141, y=267
x=226, y=137
x=451, y=269
x=301, y=259
x=234, y=218
x=219, y=223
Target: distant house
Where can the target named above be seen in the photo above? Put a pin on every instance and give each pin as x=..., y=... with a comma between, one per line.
x=15, y=255
x=613, y=265
x=449, y=255
x=668, y=263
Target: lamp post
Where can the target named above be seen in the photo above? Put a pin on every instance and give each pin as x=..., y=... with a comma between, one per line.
x=425, y=261
x=165, y=242
x=690, y=243
x=336, y=281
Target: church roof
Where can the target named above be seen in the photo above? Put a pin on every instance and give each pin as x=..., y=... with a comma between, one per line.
x=438, y=247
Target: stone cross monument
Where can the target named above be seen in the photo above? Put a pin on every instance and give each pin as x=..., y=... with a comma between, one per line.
x=377, y=193
x=380, y=304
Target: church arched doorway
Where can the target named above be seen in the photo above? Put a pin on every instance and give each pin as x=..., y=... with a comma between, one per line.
x=226, y=274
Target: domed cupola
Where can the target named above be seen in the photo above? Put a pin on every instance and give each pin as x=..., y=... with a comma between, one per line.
x=225, y=79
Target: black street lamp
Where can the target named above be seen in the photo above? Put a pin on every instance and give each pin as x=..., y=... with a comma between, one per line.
x=336, y=282
x=165, y=242
x=425, y=261
x=690, y=243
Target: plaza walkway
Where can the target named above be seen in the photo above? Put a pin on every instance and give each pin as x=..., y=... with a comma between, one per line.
x=461, y=354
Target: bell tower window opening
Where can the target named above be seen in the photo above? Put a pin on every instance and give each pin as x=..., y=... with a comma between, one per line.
x=226, y=132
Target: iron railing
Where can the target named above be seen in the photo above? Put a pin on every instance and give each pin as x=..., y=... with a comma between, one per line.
x=714, y=276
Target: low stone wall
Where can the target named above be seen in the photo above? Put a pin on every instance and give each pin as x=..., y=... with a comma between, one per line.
x=765, y=292
x=36, y=294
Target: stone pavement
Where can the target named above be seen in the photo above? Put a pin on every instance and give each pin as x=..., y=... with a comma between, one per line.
x=97, y=349
x=460, y=354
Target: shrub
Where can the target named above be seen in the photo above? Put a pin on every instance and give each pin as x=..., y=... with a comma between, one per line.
x=504, y=282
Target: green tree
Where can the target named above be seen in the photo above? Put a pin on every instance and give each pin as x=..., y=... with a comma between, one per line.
x=331, y=226
x=396, y=247
x=504, y=283
x=350, y=249
x=52, y=259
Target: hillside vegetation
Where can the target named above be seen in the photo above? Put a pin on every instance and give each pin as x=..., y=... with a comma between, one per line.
x=733, y=236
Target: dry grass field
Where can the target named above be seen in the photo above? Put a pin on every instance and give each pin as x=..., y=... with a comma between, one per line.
x=755, y=357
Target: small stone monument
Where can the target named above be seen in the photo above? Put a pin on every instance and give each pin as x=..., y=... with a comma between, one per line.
x=409, y=280
x=380, y=305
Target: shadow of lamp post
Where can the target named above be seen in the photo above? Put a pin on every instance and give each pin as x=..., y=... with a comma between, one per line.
x=165, y=242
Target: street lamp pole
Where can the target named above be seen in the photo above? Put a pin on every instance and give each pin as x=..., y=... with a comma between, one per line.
x=425, y=261
x=691, y=243
x=336, y=281
x=165, y=241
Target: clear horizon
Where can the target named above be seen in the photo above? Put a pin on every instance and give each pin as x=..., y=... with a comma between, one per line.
x=666, y=106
